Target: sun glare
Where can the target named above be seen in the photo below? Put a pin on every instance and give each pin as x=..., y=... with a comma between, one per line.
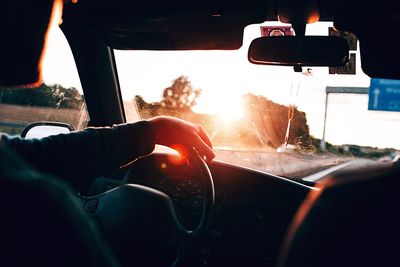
x=228, y=113
x=227, y=108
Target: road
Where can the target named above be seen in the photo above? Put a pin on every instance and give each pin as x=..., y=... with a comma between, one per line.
x=14, y=118
x=293, y=165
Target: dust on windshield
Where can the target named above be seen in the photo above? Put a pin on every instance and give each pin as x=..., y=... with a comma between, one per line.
x=265, y=118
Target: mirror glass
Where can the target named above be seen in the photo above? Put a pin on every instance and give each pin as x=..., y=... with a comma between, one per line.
x=40, y=131
x=329, y=51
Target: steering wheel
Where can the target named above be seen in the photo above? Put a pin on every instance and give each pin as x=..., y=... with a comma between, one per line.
x=133, y=212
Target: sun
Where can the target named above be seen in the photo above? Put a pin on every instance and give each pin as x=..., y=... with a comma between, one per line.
x=229, y=114
x=226, y=109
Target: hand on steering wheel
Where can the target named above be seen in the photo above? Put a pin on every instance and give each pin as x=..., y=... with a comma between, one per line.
x=169, y=131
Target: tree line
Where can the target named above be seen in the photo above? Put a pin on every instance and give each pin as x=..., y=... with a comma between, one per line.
x=263, y=126
x=55, y=96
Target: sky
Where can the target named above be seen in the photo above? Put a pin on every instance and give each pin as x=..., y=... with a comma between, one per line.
x=224, y=76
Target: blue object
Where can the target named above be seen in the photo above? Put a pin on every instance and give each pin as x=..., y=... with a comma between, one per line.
x=384, y=94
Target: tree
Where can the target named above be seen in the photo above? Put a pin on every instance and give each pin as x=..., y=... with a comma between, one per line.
x=55, y=96
x=180, y=95
x=270, y=122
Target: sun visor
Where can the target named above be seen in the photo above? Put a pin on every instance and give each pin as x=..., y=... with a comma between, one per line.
x=171, y=25
x=183, y=32
x=379, y=50
x=377, y=30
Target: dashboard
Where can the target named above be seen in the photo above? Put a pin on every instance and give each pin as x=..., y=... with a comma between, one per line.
x=252, y=209
x=186, y=194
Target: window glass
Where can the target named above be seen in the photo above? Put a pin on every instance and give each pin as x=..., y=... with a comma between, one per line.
x=58, y=99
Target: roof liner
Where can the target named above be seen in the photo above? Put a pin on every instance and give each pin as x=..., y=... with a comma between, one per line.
x=219, y=25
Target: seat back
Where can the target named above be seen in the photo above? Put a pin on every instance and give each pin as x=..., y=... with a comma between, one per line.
x=352, y=221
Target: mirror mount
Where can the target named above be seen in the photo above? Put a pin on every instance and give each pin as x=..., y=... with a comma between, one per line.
x=299, y=29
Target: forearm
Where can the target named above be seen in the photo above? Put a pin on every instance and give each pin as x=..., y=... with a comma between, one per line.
x=81, y=156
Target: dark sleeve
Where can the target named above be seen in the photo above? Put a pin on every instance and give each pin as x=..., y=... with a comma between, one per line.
x=81, y=156
x=43, y=223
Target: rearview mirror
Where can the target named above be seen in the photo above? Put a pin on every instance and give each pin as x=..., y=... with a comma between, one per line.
x=44, y=129
x=319, y=51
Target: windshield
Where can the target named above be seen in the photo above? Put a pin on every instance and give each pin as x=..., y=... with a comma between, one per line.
x=267, y=118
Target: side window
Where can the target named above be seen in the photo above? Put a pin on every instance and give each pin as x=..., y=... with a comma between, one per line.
x=58, y=99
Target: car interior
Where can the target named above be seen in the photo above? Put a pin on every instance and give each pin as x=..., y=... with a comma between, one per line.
x=162, y=210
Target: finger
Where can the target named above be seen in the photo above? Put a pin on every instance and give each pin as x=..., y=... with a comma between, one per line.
x=202, y=148
x=203, y=135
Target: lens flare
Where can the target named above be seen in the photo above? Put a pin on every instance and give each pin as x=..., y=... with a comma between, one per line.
x=163, y=165
x=181, y=157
